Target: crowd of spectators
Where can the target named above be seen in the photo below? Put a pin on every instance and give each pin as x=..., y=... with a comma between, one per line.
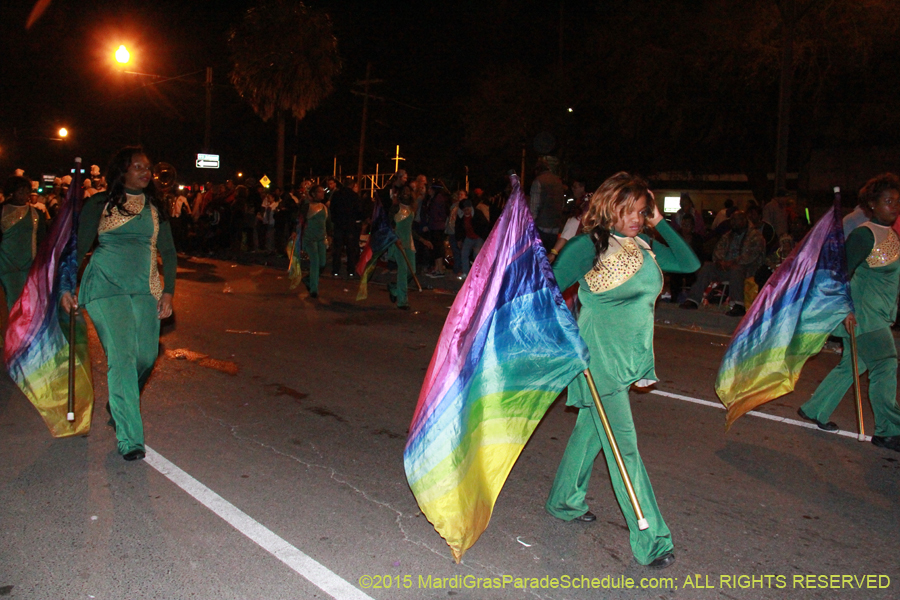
x=228, y=220
x=738, y=247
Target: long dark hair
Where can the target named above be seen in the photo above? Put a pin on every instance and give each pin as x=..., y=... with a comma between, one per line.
x=115, y=178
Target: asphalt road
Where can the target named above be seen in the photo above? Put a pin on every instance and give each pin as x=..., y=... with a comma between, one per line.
x=276, y=425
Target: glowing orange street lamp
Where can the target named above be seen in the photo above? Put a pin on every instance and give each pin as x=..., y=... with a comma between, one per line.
x=63, y=132
x=122, y=55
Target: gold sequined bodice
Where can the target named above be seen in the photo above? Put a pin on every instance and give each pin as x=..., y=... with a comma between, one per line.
x=13, y=213
x=886, y=252
x=111, y=219
x=617, y=266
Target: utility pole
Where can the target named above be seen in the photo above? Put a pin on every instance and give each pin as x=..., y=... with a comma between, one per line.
x=788, y=20
x=206, y=133
x=362, y=134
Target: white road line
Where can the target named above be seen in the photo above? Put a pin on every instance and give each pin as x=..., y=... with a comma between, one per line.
x=307, y=567
x=666, y=325
x=303, y=565
x=753, y=413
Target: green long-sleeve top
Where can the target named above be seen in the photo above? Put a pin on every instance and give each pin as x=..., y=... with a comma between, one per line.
x=617, y=294
x=676, y=257
x=125, y=260
x=873, y=250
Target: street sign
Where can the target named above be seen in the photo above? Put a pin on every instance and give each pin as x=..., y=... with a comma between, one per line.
x=265, y=181
x=207, y=161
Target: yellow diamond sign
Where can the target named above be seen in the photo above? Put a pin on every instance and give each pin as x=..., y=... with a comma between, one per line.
x=265, y=181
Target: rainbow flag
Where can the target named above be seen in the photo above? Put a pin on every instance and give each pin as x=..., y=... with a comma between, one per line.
x=37, y=348
x=294, y=250
x=508, y=348
x=806, y=298
x=381, y=237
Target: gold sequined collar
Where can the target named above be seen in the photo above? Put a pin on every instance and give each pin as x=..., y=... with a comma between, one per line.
x=13, y=213
x=115, y=218
x=618, y=264
x=403, y=212
x=887, y=246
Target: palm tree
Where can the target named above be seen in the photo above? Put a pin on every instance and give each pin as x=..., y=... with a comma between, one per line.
x=285, y=59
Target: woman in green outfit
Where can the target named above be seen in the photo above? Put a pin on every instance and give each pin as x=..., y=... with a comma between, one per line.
x=318, y=225
x=121, y=288
x=21, y=230
x=873, y=264
x=403, y=219
x=620, y=278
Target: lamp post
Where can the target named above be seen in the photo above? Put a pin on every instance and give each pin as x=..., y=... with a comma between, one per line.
x=123, y=57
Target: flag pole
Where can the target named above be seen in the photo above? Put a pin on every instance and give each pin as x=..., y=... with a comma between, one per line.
x=408, y=264
x=855, y=357
x=629, y=488
x=70, y=415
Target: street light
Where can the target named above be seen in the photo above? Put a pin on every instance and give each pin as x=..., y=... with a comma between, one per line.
x=63, y=132
x=123, y=56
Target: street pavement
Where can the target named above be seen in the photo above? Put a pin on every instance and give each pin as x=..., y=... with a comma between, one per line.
x=276, y=425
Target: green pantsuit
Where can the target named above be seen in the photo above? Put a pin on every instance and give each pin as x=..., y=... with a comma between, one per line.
x=873, y=260
x=877, y=355
x=120, y=290
x=22, y=229
x=403, y=227
x=617, y=294
x=314, y=243
x=123, y=323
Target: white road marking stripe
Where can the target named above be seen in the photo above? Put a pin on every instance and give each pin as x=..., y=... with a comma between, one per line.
x=303, y=565
x=664, y=325
x=753, y=413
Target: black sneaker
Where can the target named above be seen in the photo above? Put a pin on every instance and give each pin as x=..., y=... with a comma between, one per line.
x=736, y=311
x=663, y=562
x=891, y=442
x=829, y=426
x=134, y=455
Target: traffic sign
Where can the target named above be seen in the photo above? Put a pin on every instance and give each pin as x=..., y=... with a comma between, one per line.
x=207, y=161
x=265, y=181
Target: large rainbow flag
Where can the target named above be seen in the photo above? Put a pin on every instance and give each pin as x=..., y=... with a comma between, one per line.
x=37, y=348
x=508, y=348
x=806, y=298
x=294, y=250
x=381, y=237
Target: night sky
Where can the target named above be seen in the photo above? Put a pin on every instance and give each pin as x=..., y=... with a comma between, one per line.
x=61, y=73
x=656, y=85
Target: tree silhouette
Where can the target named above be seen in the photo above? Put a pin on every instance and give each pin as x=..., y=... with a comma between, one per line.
x=285, y=60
